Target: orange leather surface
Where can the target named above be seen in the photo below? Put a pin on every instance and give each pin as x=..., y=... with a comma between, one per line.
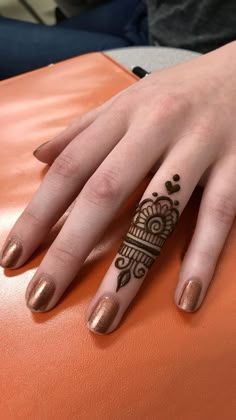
x=161, y=363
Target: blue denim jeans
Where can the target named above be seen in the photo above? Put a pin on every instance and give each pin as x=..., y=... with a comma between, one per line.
x=115, y=24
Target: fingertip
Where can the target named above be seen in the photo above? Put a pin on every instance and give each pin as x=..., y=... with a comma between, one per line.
x=35, y=152
x=43, y=153
x=186, y=309
x=43, y=159
x=101, y=318
x=11, y=253
x=39, y=293
x=188, y=297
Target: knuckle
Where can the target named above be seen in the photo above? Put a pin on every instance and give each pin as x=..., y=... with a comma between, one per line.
x=169, y=105
x=63, y=254
x=31, y=218
x=103, y=188
x=223, y=210
x=206, y=257
x=121, y=103
x=127, y=98
x=65, y=165
x=203, y=130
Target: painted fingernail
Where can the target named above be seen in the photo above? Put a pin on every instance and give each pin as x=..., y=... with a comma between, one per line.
x=11, y=253
x=41, y=293
x=40, y=147
x=190, y=295
x=103, y=315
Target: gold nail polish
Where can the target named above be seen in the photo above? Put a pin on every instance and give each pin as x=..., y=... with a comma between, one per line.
x=190, y=295
x=40, y=147
x=103, y=315
x=11, y=253
x=40, y=294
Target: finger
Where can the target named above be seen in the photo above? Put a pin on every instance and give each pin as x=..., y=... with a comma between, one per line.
x=60, y=187
x=215, y=219
x=115, y=179
x=49, y=151
x=154, y=220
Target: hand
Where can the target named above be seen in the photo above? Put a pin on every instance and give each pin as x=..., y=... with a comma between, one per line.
x=180, y=121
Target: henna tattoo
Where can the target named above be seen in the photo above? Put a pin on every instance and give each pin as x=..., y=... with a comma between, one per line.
x=154, y=220
x=172, y=188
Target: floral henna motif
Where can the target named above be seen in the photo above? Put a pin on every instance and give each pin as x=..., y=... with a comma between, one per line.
x=154, y=220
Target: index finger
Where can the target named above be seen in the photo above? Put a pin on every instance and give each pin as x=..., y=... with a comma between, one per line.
x=61, y=185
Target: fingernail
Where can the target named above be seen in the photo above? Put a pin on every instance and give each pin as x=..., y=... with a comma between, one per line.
x=40, y=147
x=41, y=294
x=11, y=253
x=190, y=295
x=103, y=315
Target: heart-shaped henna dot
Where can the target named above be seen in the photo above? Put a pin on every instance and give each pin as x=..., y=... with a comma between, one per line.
x=154, y=220
x=173, y=188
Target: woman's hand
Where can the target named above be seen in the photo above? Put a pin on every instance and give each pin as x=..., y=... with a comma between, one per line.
x=181, y=121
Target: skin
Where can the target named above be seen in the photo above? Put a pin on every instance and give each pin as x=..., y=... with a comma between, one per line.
x=180, y=120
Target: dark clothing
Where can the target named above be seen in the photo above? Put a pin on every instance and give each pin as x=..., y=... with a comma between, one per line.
x=199, y=25
x=26, y=46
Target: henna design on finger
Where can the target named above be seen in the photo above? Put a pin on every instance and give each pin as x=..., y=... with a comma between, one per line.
x=153, y=222
x=172, y=188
